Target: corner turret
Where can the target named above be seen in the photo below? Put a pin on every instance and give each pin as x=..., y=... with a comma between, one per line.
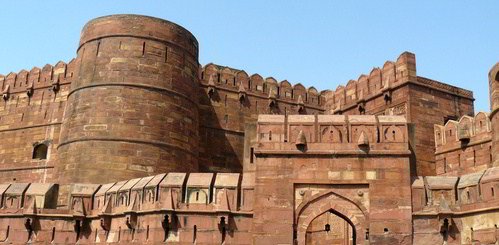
x=494, y=108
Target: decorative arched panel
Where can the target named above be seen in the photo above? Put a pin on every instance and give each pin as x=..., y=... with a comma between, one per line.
x=393, y=134
x=331, y=134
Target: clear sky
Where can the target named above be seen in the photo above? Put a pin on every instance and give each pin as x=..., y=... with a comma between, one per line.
x=318, y=43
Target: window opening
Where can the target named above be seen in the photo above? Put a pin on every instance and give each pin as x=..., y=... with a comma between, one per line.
x=40, y=151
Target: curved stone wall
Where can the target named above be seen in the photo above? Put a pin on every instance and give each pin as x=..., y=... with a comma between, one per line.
x=132, y=111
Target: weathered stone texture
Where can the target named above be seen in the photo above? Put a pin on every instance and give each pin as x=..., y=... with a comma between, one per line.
x=132, y=107
x=133, y=142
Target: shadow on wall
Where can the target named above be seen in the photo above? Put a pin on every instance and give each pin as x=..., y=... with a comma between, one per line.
x=222, y=123
x=221, y=150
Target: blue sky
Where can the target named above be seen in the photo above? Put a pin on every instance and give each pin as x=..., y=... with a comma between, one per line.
x=318, y=43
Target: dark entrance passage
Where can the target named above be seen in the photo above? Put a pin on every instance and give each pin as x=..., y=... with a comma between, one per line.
x=331, y=228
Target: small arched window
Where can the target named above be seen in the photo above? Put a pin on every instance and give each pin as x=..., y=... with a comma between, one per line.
x=40, y=151
x=497, y=77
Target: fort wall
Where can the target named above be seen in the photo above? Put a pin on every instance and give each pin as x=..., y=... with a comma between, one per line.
x=494, y=108
x=309, y=165
x=458, y=210
x=362, y=95
x=198, y=207
x=31, y=111
x=192, y=159
x=430, y=105
x=223, y=115
x=230, y=99
x=395, y=89
x=464, y=146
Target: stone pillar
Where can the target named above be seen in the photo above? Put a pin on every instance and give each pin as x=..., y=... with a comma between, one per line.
x=132, y=110
x=494, y=108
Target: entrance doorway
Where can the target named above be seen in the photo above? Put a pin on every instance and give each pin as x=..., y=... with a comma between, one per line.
x=331, y=228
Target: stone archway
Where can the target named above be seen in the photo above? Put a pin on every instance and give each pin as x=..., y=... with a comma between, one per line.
x=330, y=228
x=354, y=213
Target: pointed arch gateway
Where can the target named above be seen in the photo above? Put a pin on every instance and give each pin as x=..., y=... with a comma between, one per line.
x=331, y=228
x=315, y=211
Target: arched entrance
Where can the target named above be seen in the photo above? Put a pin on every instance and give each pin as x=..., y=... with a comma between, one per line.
x=331, y=228
x=346, y=216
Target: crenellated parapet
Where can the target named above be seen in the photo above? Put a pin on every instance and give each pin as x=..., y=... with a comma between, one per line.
x=49, y=77
x=382, y=82
x=379, y=82
x=466, y=205
x=164, y=207
x=173, y=191
x=332, y=133
x=214, y=77
x=466, y=130
x=452, y=195
x=221, y=192
x=230, y=100
x=463, y=146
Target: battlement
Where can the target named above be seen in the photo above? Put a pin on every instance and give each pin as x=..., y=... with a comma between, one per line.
x=50, y=76
x=467, y=130
x=463, y=146
x=381, y=82
x=456, y=195
x=332, y=133
x=161, y=208
x=207, y=192
x=239, y=81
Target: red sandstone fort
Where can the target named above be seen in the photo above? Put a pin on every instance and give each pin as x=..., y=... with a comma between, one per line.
x=134, y=142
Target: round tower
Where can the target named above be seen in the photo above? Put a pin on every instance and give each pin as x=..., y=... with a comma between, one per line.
x=494, y=109
x=132, y=109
